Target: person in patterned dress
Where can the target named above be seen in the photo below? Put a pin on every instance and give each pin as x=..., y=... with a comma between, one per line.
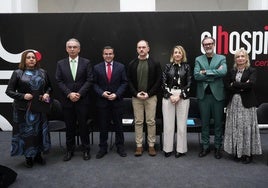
x=242, y=137
x=30, y=136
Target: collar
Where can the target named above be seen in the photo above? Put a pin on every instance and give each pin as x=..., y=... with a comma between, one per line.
x=147, y=57
x=76, y=59
x=111, y=63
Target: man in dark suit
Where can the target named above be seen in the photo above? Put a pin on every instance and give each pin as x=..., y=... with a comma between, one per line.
x=209, y=70
x=73, y=75
x=110, y=83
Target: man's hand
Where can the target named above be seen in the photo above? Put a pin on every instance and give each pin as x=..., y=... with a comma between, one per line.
x=74, y=97
x=142, y=95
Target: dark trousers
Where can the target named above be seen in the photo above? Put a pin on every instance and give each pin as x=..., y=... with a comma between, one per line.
x=211, y=108
x=76, y=116
x=105, y=117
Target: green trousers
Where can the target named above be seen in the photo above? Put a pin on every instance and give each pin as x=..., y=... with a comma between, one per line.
x=210, y=108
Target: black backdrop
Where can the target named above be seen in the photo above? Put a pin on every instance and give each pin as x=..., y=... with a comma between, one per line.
x=48, y=33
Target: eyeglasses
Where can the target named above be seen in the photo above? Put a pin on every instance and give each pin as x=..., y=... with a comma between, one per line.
x=208, y=44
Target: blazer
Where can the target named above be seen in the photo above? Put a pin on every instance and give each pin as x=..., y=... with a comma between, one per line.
x=245, y=88
x=117, y=85
x=168, y=79
x=67, y=84
x=154, y=77
x=213, y=77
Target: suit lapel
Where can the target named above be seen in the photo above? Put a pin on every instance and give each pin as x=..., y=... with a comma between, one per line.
x=205, y=60
x=103, y=71
x=68, y=68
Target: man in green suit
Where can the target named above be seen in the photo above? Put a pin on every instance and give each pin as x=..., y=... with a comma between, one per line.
x=209, y=71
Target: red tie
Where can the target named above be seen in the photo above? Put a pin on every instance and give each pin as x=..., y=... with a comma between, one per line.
x=109, y=72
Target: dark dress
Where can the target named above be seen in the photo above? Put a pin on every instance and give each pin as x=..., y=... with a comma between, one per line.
x=30, y=129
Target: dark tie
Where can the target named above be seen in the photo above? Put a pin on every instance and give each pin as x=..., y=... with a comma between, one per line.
x=109, y=72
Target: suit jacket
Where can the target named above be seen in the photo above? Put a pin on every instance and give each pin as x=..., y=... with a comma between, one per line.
x=117, y=85
x=67, y=84
x=245, y=88
x=154, y=77
x=213, y=77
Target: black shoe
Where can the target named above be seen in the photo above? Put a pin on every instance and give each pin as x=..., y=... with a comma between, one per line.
x=217, y=153
x=237, y=159
x=68, y=156
x=29, y=162
x=121, y=152
x=246, y=159
x=177, y=155
x=86, y=155
x=204, y=152
x=101, y=154
x=168, y=154
x=39, y=159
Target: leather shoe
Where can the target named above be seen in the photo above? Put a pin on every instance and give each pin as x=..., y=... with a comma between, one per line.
x=121, y=152
x=101, y=154
x=29, y=162
x=204, y=152
x=86, y=155
x=217, y=153
x=246, y=159
x=138, y=152
x=168, y=154
x=177, y=155
x=237, y=159
x=152, y=151
x=39, y=159
x=68, y=156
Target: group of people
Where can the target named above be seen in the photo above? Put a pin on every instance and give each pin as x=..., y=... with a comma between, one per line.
x=144, y=79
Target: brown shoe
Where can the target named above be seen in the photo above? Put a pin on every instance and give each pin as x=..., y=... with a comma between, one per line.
x=138, y=151
x=152, y=151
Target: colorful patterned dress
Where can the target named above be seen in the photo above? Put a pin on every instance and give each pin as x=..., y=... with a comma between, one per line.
x=30, y=129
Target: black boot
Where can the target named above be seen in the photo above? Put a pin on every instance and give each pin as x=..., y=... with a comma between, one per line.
x=28, y=162
x=39, y=159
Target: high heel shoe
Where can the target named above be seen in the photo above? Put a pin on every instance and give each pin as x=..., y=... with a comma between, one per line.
x=29, y=162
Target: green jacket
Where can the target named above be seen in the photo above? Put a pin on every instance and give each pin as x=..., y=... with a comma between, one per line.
x=215, y=71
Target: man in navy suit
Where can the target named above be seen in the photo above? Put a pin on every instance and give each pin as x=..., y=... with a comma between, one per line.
x=110, y=83
x=73, y=75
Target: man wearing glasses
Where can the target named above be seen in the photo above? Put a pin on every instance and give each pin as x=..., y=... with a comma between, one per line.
x=209, y=71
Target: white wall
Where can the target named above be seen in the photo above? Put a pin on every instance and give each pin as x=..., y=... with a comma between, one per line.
x=160, y=5
x=201, y=5
x=59, y=6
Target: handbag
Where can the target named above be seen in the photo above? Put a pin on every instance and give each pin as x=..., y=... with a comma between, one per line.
x=38, y=105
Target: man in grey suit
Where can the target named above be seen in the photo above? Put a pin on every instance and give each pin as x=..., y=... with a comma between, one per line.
x=209, y=71
x=73, y=75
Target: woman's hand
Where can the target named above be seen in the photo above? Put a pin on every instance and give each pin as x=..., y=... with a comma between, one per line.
x=45, y=97
x=28, y=96
x=174, y=98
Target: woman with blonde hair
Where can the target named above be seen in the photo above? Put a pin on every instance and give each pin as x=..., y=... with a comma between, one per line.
x=242, y=137
x=175, y=104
